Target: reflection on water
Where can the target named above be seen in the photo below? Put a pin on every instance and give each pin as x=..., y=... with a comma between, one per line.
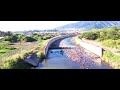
x=68, y=41
x=58, y=60
x=55, y=53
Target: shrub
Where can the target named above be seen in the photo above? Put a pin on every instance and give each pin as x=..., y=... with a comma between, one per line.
x=16, y=61
x=12, y=38
x=27, y=39
x=113, y=60
x=102, y=34
x=18, y=37
x=4, y=44
x=89, y=35
x=112, y=43
x=40, y=55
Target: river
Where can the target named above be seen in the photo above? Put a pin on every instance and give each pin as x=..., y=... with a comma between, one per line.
x=69, y=59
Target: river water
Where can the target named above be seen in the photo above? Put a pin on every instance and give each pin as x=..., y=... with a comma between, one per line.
x=58, y=59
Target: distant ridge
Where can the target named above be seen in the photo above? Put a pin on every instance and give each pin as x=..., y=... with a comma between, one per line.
x=87, y=25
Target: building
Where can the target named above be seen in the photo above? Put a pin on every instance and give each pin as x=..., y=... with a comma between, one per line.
x=1, y=38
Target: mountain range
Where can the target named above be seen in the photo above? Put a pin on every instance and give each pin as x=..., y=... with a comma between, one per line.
x=87, y=25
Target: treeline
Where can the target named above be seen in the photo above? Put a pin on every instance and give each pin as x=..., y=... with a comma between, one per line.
x=102, y=34
x=109, y=37
x=16, y=61
x=23, y=38
x=3, y=34
x=47, y=36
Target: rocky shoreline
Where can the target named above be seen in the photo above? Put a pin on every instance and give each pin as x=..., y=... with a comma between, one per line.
x=86, y=59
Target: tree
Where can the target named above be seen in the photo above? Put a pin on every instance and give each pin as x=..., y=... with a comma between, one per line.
x=27, y=39
x=89, y=35
x=8, y=33
x=13, y=38
x=2, y=34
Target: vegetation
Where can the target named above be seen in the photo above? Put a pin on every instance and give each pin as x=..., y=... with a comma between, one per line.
x=6, y=50
x=40, y=55
x=16, y=61
x=18, y=37
x=109, y=37
x=40, y=51
x=112, y=59
x=112, y=43
x=4, y=44
x=48, y=36
x=35, y=37
x=89, y=35
x=2, y=34
x=102, y=34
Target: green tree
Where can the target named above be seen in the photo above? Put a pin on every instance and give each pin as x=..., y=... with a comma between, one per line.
x=27, y=39
x=9, y=33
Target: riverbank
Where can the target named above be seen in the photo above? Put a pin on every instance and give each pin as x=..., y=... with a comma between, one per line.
x=86, y=59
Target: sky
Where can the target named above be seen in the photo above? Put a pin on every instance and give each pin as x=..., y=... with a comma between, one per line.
x=31, y=25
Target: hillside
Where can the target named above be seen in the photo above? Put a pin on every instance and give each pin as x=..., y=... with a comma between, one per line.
x=86, y=25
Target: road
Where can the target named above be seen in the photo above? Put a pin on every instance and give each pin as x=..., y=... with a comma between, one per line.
x=75, y=58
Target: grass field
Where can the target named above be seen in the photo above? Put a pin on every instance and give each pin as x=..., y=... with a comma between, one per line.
x=12, y=58
x=111, y=43
x=43, y=42
x=16, y=61
x=112, y=59
x=13, y=54
x=7, y=50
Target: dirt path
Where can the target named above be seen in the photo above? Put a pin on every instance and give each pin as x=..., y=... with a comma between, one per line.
x=114, y=51
x=22, y=46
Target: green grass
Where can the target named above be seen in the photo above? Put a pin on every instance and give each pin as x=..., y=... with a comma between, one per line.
x=16, y=61
x=112, y=43
x=112, y=59
x=43, y=42
x=4, y=44
x=6, y=50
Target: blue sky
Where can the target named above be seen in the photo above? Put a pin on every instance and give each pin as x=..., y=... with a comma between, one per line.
x=31, y=25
